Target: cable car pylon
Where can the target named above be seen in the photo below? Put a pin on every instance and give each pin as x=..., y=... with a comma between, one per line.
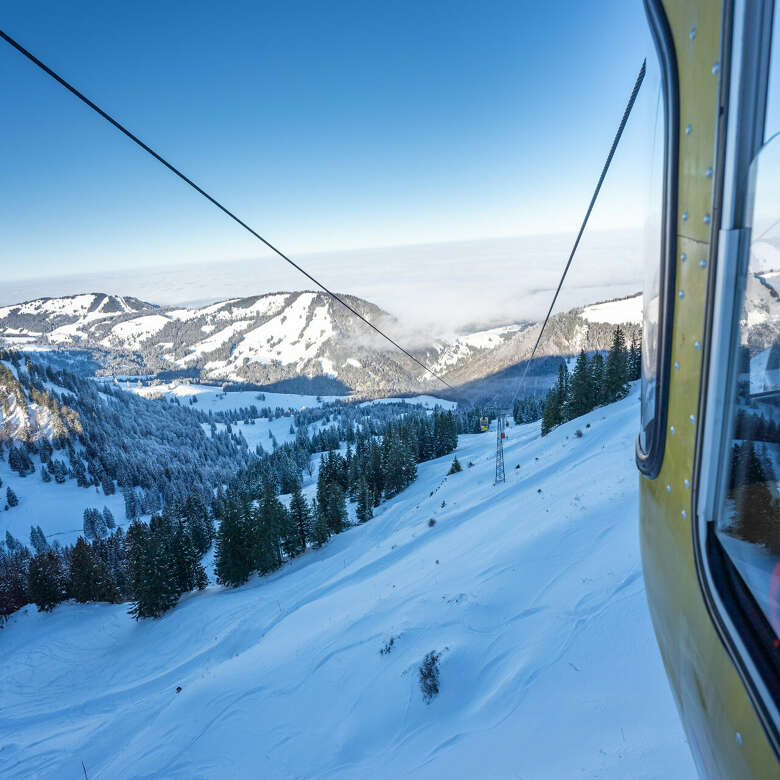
x=501, y=424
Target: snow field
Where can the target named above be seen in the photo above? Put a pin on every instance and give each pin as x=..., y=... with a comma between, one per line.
x=212, y=398
x=531, y=591
x=616, y=312
x=58, y=509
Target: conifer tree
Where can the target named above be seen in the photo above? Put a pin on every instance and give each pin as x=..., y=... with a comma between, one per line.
x=108, y=485
x=616, y=368
x=108, y=519
x=335, y=507
x=365, y=501
x=756, y=515
x=455, y=467
x=597, y=378
x=291, y=543
x=580, y=400
x=376, y=478
x=131, y=503
x=38, y=539
x=269, y=520
x=46, y=580
x=235, y=550
x=551, y=413
x=14, y=567
x=634, y=360
x=562, y=391
x=188, y=572
x=301, y=517
x=200, y=524
x=81, y=572
x=89, y=578
x=11, y=497
x=150, y=568
x=321, y=529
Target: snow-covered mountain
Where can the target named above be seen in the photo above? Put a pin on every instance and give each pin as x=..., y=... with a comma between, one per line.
x=64, y=320
x=530, y=592
x=282, y=337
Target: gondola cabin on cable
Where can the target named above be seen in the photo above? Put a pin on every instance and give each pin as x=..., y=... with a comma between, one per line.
x=709, y=449
x=484, y=424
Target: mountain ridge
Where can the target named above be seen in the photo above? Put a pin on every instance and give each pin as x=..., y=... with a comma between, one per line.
x=284, y=336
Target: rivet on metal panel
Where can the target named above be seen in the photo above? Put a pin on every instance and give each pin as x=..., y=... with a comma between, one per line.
x=697, y=344
x=688, y=129
x=687, y=483
x=708, y=173
x=716, y=68
x=703, y=263
x=682, y=293
x=706, y=219
x=676, y=365
x=685, y=216
x=692, y=418
x=692, y=33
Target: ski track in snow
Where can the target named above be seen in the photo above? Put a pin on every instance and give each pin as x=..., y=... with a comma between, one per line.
x=549, y=666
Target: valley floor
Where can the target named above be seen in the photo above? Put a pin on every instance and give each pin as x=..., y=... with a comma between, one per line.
x=531, y=592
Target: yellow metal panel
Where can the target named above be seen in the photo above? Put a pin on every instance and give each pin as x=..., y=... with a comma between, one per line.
x=710, y=696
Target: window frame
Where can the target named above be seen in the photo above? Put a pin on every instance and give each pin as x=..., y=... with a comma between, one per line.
x=740, y=622
x=650, y=459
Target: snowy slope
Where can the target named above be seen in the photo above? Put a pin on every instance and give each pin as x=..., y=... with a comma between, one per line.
x=58, y=509
x=531, y=591
x=213, y=399
x=615, y=312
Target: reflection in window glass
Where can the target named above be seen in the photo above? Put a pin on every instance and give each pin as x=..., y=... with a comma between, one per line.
x=772, y=124
x=652, y=254
x=749, y=525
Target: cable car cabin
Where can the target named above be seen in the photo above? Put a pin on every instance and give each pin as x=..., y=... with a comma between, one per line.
x=709, y=446
x=484, y=424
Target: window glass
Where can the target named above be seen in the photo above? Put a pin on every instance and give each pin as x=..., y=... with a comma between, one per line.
x=653, y=261
x=772, y=123
x=749, y=521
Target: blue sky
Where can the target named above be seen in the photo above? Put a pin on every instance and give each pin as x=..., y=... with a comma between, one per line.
x=326, y=126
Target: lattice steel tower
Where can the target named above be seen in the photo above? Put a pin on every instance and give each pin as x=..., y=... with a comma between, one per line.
x=500, y=429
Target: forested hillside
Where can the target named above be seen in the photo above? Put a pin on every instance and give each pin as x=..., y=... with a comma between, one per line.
x=185, y=477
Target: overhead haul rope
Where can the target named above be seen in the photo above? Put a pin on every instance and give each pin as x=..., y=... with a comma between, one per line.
x=604, y=170
x=213, y=200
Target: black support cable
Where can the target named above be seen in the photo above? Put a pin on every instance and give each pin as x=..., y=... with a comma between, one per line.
x=122, y=129
x=604, y=170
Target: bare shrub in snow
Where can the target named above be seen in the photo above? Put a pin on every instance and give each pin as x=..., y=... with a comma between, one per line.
x=429, y=676
x=388, y=646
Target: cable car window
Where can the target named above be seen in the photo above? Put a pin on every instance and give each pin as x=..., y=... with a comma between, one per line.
x=772, y=121
x=660, y=248
x=749, y=520
x=652, y=283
